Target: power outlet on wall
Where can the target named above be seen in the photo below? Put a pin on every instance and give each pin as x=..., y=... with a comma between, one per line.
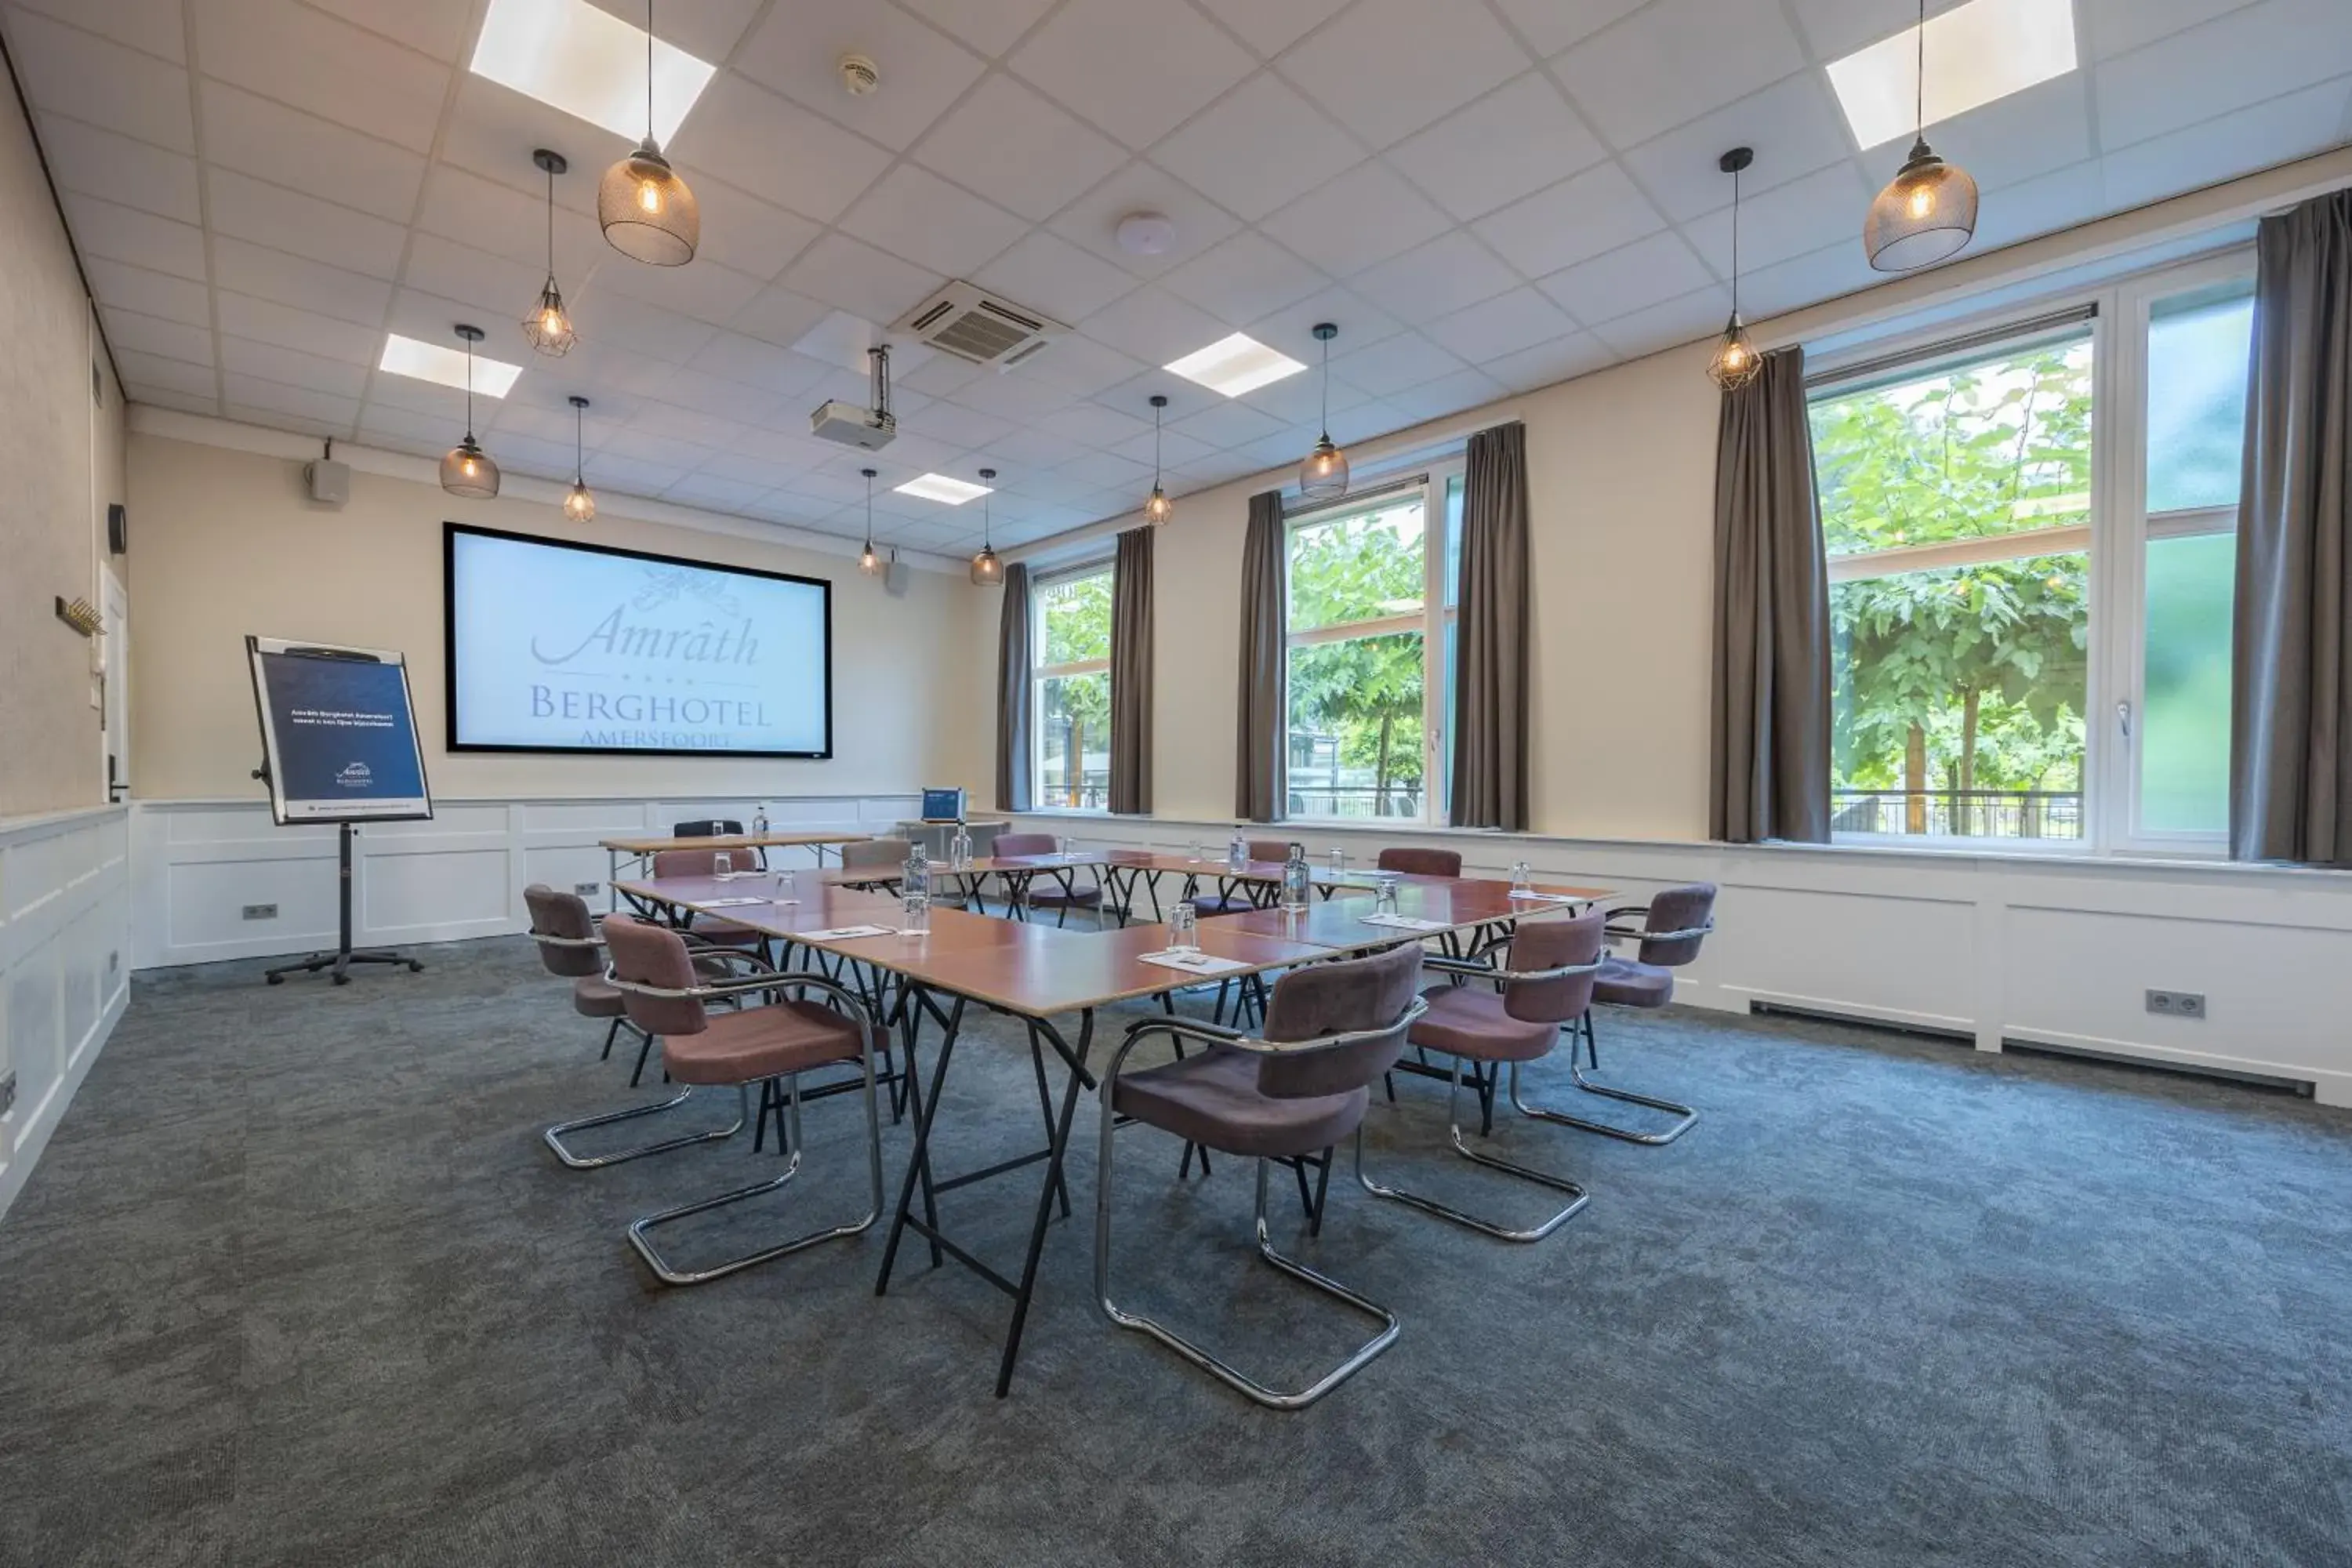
x=587, y=890
x=2177, y=1004
x=262, y=911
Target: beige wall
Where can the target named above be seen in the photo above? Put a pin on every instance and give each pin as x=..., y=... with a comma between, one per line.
x=1620, y=480
x=228, y=543
x=61, y=464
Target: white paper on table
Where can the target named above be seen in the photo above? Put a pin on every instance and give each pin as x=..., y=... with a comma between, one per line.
x=727, y=903
x=1549, y=897
x=1406, y=922
x=1192, y=962
x=843, y=933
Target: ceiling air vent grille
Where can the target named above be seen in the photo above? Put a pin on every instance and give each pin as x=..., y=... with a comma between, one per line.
x=974, y=325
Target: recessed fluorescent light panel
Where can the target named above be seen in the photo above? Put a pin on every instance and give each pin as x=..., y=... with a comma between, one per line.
x=588, y=63
x=1977, y=52
x=939, y=488
x=431, y=362
x=1234, y=365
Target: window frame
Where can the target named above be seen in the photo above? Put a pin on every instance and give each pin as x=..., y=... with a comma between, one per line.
x=1436, y=618
x=1040, y=673
x=2118, y=532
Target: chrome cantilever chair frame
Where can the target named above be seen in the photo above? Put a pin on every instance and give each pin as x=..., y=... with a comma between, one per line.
x=854, y=1009
x=555, y=1135
x=1475, y=968
x=1357, y=1360
x=614, y=1033
x=1684, y=1116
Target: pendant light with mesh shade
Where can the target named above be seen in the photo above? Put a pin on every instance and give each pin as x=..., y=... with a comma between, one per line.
x=987, y=570
x=869, y=560
x=579, y=504
x=1736, y=360
x=467, y=469
x=648, y=212
x=1158, y=509
x=548, y=325
x=1929, y=211
x=1323, y=475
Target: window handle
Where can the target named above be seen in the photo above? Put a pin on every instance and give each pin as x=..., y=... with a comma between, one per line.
x=2124, y=718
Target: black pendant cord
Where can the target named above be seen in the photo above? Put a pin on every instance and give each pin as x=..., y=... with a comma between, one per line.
x=649, y=69
x=1327, y=389
x=551, y=224
x=1157, y=414
x=579, y=445
x=1735, y=244
x=469, y=391
x=1918, y=81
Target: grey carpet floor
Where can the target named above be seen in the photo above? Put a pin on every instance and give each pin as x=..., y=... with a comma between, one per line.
x=297, y=1284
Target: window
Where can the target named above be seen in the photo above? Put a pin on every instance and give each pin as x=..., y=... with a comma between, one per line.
x=1072, y=700
x=2032, y=563
x=1371, y=635
x=1956, y=505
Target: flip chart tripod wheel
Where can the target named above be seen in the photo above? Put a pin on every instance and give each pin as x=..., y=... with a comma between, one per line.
x=341, y=961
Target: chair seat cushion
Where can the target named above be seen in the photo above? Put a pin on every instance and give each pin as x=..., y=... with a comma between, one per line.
x=1626, y=983
x=1057, y=897
x=593, y=996
x=1212, y=1098
x=726, y=933
x=761, y=1042
x=1221, y=904
x=1469, y=1021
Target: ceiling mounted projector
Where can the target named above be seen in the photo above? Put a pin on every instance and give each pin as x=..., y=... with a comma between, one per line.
x=868, y=429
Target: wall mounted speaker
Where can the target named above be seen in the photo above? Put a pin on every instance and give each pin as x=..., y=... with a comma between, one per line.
x=894, y=577
x=118, y=527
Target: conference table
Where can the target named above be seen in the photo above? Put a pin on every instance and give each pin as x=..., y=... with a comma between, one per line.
x=641, y=851
x=1054, y=981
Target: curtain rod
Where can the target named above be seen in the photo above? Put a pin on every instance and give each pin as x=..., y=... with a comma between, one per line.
x=1945, y=348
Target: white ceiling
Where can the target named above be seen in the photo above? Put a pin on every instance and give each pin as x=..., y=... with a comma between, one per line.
x=1487, y=195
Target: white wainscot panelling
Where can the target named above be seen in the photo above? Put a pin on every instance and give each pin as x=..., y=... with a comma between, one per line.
x=64, y=972
x=200, y=864
x=2039, y=949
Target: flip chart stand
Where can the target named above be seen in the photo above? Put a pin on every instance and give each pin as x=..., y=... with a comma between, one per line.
x=341, y=961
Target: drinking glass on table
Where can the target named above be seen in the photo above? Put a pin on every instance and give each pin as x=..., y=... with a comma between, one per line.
x=722, y=864
x=1065, y=846
x=787, y=886
x=1523, y=877
x=1384, y=893
x=1195, y=855
x=1183, y=928
x=1339, y=862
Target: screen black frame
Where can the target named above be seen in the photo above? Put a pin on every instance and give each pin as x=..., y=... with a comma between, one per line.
x=449, y=532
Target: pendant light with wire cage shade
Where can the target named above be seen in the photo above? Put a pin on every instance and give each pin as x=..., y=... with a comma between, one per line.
x=468, y=471
x=548, y=325
x=578, y=501
x=1323, y=474
x=869, y=560
x=648, y=212
x=987, y=570
x=1736, y=360
x=1928, y=212
x=1158, y=510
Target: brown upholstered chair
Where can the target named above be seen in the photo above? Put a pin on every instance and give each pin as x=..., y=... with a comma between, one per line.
x=1518, y=995
x=877, y=855
x=1417, y=862
x=1061, y=892
x=1331, y=1029
x=704, y=863
x=1669, y=927
x=706, y=827
x=565, y=931
x=1232, y=898
x=792, y=1034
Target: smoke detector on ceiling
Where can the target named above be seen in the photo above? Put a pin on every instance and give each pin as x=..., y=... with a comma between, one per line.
x=858, y=75
x=1147, y=234
x=976, y=326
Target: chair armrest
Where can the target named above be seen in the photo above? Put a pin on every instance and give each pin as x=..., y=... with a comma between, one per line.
x=1508, y=976
x=546, y=941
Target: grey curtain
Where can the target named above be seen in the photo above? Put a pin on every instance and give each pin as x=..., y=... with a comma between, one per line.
x=1490, y=641
x=1257, y=749
x=1770, y=761
x=1131, y=674
x=2291, y=687
x=1013, y=660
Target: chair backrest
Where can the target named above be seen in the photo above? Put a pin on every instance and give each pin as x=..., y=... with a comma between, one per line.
x=1686, y=908
x=1271, y=850
x=689, y=862
x=1345, y=997
x=708, y=827
x=1025, y=844
x=563, y=915
x=1553, y=944
x=1415, y=862
x=873, y=853
x=651, y=955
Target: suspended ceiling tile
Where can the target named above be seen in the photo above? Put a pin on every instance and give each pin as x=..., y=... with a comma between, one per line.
x=290, y=279
x=1358, y=220
x=1013, y=145
x=1583, y=215
x=440, y=29
x=1493, y=328
x=134, y=174
x=1794, y=126
x=1083, y=58
x=265, y=139
x=1244, y=278
x=150, y=293
x=736, y=129
x=1574, y=354
x=246, y=209
x=67, y=71
x=1261, y=147
x=1092, y=221
x=850, y=275
x=1631, y=278
x=1433, y=279
x=917, y=216
x=1673, y=61
x=992, y=27
x=1509, y=143
x=118, y=232
x=796, y=51
x=1270, y=26
x=291, y=367
x=323, y=66
x=1386, y=67
x=155, y=335
x=1046, y=273
x=152, y=27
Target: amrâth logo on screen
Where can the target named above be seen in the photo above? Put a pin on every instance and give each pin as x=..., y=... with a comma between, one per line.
x=660, y=659
x=355, y=775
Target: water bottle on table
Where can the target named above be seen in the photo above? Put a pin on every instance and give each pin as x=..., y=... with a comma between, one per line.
x=915, y=891
x=1236, y=852
x=1295, y=878
x=960, y=849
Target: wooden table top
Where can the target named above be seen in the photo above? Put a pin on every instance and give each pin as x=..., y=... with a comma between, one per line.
x=729, y=841
x=814, y=907
x=1461, y=905
x=1048, y=972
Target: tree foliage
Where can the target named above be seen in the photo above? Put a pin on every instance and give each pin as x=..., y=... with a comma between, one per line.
x=1077, y=707
x=1367, y=691
x=1971, y=676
